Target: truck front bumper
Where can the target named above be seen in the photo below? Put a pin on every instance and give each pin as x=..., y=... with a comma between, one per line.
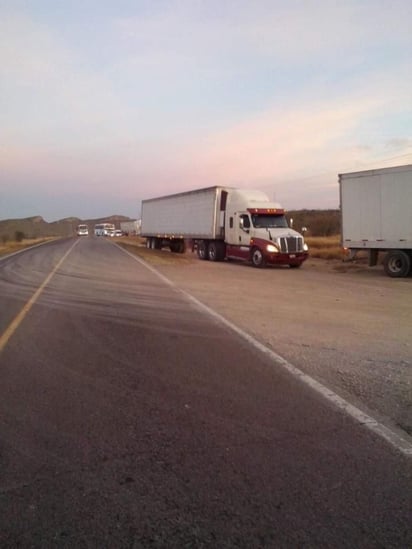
x=286, y=259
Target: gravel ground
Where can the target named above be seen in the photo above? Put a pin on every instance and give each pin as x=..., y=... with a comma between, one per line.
x=347, y=325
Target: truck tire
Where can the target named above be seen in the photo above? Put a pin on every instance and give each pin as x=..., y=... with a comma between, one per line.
x=257, y=258
x=216, y=250
x=203, y=249
x=177, y=246
x=397, y=264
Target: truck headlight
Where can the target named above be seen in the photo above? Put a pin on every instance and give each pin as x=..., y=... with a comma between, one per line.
x=305, y=247
x=271, y=249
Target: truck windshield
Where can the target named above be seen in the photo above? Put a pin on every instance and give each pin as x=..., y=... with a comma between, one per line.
x=269, y=221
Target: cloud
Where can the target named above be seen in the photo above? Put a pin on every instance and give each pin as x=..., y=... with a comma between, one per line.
x=51, y=100
x=273, y=95
x=287, y=32
x=399, y=143
x=295, y=150
x=294, y=145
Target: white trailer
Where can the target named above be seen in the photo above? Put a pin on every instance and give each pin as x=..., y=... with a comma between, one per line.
x=131, y=228
x=376, y=209
x=223, y=222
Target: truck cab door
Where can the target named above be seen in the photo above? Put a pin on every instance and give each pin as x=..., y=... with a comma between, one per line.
x=238, y=229
x=243, y=230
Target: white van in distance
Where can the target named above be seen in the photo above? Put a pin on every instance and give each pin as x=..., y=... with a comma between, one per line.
x=82, y=230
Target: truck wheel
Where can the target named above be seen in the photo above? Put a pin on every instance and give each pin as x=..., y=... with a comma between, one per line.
x=203, y=249
x=177, y=246
x=216, y=251
x=257, y=258
x=397, y=264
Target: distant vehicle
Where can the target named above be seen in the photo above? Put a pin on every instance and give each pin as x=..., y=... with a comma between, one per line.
x=223, y=223
x=131, y=228
x=82, y=230
x=103, y=229
x=376, y=216
x=118, y=232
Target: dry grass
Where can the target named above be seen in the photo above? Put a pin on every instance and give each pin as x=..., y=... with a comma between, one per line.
x=329, y=247
x=323, y=242
x=325, y=247
x=12, y=246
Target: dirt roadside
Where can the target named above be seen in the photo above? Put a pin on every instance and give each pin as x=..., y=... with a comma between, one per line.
x=345, y=324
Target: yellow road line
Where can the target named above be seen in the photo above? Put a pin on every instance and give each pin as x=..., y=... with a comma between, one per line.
x=4, y=338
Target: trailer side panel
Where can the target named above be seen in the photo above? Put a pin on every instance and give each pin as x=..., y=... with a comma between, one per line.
x=194, y=214
x=376, y=208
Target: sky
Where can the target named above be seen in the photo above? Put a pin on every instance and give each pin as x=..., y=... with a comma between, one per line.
x=105, y=103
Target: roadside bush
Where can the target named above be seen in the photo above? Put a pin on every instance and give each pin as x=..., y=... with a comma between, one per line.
x=316, y=222
x=5, y=238
x=19, y=236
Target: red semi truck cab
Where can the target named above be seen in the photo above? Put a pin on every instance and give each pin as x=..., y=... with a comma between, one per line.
x=257, y=230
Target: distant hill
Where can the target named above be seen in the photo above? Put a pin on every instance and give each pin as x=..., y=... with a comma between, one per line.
x=34, y=227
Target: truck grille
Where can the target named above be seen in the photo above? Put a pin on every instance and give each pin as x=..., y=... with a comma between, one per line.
x=291, y=244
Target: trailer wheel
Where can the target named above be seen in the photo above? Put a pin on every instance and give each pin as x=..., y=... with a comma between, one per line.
x=257, y=258
x=203, y=249
x=177, y=246
x=397, y=264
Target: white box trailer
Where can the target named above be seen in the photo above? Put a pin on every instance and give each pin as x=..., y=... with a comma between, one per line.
x=131, y=228
x=376, y=209
x=223, y=223
x=192, y=214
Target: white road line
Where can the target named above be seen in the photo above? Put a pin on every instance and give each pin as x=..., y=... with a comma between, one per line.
x=397, y=441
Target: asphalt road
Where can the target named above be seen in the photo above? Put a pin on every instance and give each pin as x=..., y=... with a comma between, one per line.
x=130, y=418
x=346, y=325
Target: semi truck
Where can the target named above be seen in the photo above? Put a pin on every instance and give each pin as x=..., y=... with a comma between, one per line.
x=223, y=223
x=376, y=210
